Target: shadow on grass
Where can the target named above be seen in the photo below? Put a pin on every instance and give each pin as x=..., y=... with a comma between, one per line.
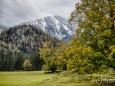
x=50, y=72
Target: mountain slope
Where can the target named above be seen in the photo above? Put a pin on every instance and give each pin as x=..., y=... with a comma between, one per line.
x=24, y=38
x=55, y=26
x=20, y=42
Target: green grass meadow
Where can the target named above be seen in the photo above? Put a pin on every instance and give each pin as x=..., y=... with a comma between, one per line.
x=38, y=78
x=30, y=78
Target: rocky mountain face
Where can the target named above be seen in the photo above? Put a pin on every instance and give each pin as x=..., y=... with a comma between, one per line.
x=55, y=26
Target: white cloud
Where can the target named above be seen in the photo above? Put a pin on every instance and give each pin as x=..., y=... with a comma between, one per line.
x=16, y=11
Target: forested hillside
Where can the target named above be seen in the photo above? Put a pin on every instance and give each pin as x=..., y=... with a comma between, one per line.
x=22, y=42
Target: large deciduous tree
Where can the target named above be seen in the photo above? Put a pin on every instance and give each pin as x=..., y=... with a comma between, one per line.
x=47, y=54
x=96, y=31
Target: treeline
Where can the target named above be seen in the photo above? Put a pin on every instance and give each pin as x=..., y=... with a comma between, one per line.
x=11, y=60
x=92, y=49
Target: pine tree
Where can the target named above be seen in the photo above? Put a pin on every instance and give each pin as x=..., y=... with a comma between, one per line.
x=19, y=61
x=1, y=59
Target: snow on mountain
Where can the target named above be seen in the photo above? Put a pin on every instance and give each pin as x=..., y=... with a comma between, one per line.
x=56, y=26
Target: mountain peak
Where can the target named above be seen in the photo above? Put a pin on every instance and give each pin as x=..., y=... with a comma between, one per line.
x=56, y=26
x=45, y=15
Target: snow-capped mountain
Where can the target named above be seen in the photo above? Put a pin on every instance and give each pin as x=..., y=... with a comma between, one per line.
x=56, y=26
x=3, y=28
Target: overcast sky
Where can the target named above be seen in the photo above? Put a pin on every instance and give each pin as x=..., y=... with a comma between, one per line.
x=13, y=12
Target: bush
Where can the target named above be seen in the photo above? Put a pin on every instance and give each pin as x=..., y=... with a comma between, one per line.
x=27, y=65
x=103, y=69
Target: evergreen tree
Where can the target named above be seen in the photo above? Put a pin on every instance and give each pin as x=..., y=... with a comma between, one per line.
x=36, y=62
x=1, y=58
x=19, y=61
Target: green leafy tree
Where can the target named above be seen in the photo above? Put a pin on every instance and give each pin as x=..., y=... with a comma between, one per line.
x=96, y=19
x=79, y=57
x=47, y=54
x=27, y=65
x=60, y=56
x=111, y=57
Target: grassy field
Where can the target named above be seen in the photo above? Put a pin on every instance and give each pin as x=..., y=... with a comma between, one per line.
x=38, y=78
x=30, y=78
